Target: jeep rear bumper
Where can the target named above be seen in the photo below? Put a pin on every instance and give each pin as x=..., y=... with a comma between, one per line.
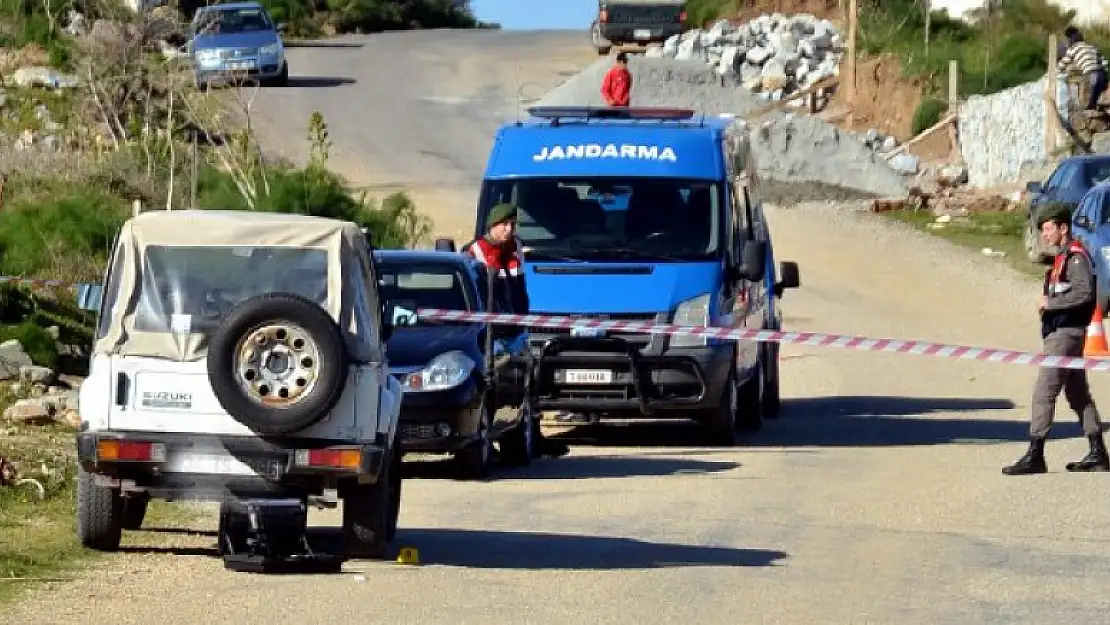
x=205, y=467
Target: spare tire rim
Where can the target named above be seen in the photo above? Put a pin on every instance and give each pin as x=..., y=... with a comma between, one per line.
x=277, y=364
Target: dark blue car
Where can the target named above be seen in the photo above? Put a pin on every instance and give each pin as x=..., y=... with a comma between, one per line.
x=448, y=405
x=1071, y=180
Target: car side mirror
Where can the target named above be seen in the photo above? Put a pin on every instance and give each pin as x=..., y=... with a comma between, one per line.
x=280, y=27
x=89, y=296
x=1083, y=221
x=754, y=260
x=790, y=278
x=1034, y=187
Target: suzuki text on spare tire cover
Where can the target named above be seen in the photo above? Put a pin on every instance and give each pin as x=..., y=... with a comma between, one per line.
x=238, y=355
x=650, y=215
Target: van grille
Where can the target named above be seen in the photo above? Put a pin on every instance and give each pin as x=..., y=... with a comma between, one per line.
x=537, y=335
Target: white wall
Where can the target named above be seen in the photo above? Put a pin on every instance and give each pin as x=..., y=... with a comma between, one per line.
x=1085, y=10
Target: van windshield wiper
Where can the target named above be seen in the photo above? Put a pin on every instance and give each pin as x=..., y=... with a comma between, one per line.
x=553, y=253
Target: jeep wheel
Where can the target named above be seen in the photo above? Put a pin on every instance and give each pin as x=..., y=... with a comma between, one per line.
x=476, y=460
x=277, y=364
x=519, y=445
x=134, y=511
x=721, y=420
x=370, y=512
x=99, y=514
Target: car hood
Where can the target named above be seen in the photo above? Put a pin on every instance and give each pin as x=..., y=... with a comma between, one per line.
x=582, y=288
x=235, y=40
x=416, y=346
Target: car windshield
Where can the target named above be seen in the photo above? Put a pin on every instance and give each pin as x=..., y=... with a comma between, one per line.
x=613, y=218
x=411, y=286
x=225, y=21
x=190, y=289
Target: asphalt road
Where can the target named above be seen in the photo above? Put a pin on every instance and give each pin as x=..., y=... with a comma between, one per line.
x=876, y=498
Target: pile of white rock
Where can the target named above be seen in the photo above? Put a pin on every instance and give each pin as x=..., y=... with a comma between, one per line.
x=772, y=55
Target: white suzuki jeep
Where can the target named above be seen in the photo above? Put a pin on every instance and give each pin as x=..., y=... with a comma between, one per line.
x=238, y=355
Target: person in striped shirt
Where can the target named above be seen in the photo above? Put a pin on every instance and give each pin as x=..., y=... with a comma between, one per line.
x=1087, y=60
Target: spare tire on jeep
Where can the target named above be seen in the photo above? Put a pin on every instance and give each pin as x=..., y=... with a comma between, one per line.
x=277, y=363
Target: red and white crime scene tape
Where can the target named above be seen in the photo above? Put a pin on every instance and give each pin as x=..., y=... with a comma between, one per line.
x=815, y=339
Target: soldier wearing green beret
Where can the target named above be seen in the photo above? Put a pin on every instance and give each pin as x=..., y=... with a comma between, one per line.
x=1067, y=306
x=500, y=251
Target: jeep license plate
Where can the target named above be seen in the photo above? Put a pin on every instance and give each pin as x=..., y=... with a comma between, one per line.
x=212, y=464
x=589, y=376
x=642, y=33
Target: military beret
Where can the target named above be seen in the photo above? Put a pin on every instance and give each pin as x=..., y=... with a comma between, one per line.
x=499, y=213
x=1054, y=211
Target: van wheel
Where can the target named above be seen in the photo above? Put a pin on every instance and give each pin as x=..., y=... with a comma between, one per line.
x=99, y=514
x=749, y=417
x=721, y=420
x=772, y=404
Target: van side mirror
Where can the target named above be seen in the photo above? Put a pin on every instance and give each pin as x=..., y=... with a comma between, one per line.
x=790, y=278
x=754, y=260
x=89, y=296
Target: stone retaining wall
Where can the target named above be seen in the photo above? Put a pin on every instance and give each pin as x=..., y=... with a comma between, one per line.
x=1002, y=133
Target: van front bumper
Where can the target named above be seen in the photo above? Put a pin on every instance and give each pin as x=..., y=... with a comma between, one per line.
x=629, y=380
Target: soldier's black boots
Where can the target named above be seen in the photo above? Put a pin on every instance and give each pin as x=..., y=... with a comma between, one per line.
x=1096, y=459
x=1032, y=462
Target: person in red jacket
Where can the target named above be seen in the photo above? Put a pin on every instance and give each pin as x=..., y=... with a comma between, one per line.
x=617, y=85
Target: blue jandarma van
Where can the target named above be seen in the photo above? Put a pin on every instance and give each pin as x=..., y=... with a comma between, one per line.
x=643, y=214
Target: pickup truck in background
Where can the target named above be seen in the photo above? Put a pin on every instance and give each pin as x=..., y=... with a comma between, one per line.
x=636, y=22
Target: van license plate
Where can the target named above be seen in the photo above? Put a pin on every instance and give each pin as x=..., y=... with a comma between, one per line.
x=589, y=376
x=642, y=33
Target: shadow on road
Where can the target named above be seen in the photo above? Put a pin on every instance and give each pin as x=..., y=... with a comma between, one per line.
x=861, y=421
x=573, y=467
x=313, y=82
x=521, y=550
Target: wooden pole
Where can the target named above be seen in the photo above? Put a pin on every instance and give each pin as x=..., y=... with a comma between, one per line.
x=853, y=25
x=928, y=24
x=1051, y=122
x=953, y=85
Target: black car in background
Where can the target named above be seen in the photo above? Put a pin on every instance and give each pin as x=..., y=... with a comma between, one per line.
x=460, y=398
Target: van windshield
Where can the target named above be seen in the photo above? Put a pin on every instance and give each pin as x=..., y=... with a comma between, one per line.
x=612, y=218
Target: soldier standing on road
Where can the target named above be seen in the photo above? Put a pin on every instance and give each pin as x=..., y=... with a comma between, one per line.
x=500, y=251
x=616, y=87
x=1066, y=306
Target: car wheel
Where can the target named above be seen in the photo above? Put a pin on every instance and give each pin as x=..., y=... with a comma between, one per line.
x=721, y=420
x=99, y=514
x=519, y=445
x=277, y=364
x=370, y=513
x=476, y=460
x=282, y=79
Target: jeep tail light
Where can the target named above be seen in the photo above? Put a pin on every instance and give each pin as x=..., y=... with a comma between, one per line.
x=348, y=458
x=130, y=451
x=603, y=16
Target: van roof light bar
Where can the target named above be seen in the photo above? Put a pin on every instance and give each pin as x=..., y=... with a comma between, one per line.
x=610, y=112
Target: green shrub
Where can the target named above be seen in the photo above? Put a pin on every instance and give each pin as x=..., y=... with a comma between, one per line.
x=39, y=345
x=927, y=114
x=66, y=237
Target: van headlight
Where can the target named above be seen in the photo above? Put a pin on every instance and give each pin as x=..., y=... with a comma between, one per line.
x=445, y=371
x=692, y=312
